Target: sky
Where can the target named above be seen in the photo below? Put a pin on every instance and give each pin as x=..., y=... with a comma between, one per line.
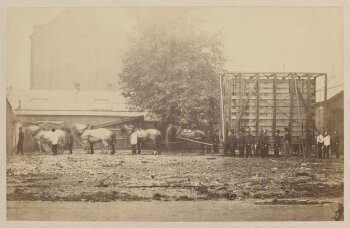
x=271, y=39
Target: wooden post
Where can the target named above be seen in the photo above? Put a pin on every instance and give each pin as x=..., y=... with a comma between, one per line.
x=221, y=132
x=257, y=104
x=274, y=106
x=325, y=104
x=291, y=108
x=240, y=98
x=229, y=105
x=300, y=123
x=308, y=109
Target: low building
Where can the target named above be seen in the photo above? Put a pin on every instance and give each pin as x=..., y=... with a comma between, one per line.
x=330, y=116
x=65, y=108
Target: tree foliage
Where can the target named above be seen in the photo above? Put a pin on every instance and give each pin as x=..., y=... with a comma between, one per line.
x=172, y=71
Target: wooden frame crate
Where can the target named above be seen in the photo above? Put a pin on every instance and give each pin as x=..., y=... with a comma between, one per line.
x=270, y=101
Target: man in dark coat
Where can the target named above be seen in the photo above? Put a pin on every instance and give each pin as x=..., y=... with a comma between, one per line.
x=70, y=141
x=233, y=143
x=216, y=142
x=335, y=141
x=20, y=141
x=249, y=144
x=277, y=145
x=227, y=144
x=265, y=145
x=242, y=144
x=259, y=139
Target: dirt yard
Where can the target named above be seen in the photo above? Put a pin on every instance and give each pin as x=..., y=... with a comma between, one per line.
x=170, y=177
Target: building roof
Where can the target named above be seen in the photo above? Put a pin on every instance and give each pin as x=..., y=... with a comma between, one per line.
x=336, y=96
x=71, y=103
x=60, y=100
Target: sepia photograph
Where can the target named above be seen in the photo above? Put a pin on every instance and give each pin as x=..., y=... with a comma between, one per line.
x=164, y=113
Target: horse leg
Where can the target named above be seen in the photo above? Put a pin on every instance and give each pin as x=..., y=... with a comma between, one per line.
x=113, y=148
x=91, y=148
x=139, y=147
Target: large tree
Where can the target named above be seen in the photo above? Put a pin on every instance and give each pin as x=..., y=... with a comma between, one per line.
x=172, y=71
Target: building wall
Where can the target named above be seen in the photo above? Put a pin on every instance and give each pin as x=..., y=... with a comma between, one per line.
x=77, y=47
x=70, y=120
x=334, y=112
x=10, y=129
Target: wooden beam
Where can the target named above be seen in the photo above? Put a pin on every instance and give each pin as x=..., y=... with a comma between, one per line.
x=229, y=104
x=240, y=99
x=308, y=110
x=300, y=123
x=291, y=90
x=325, y=104
x=221, y=132
x=195, y=141
x=308, y=118
x=257, y=104
x=274, y=106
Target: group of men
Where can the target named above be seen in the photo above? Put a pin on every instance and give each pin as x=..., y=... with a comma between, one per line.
x=324, y=142
x=245, y=143
x=54, y=141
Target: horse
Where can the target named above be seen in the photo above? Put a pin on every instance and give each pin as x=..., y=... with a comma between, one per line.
x=145, y=135
x=104, y=136
x=175, y=131
x=42, y=137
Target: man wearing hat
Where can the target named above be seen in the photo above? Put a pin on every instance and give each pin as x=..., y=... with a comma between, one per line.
x=242, y=143
x=20, y=141
x=265, y=145
x=54, y=141
x=133, y=141
x=277, y=145
x=233, y=143
x=249, y=143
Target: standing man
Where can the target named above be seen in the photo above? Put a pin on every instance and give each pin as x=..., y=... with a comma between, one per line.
x=287, y=141
x=277, y=145
x=326, y=145
x=249, y=144
x=265, y=145
x=319, y=143
x=133, y=141
x=227, y=144
x=54, y=139
x=216, y=141
x=335, y=144
x=70, y=141
x=20, y=141
x=233, y=143
x=242, y=143
x=259, y=147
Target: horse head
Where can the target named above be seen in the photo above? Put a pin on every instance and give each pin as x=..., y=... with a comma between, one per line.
x=33, y=129
x=127, y=129
x=79, y=128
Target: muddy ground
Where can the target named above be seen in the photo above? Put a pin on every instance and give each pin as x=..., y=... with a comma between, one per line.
x=172, y=177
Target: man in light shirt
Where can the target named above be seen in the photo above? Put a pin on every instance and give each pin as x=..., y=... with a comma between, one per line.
x=326, y=145
x=319, y=141
x=133, y=141
x=54, y=141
